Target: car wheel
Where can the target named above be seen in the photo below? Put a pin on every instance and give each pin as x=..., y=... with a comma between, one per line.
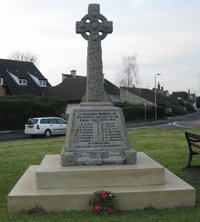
x=47, y=133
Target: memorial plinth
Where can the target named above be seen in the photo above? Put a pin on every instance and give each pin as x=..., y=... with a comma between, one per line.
x=96, y=135
x=54, y=188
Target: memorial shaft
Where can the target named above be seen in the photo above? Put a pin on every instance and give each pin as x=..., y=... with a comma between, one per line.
x=94, y=27
x=96, y=132
x=94, y=90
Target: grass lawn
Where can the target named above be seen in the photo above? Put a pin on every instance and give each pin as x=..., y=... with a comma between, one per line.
x=168, y=147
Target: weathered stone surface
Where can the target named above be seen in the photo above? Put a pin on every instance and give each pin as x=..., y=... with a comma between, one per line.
x=96, y=126
x=94, y=27
x=98, y=157
x=96, y=131
x=97, y=135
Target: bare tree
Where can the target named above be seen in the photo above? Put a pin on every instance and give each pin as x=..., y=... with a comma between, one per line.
x=24, y=56
x=129, y=75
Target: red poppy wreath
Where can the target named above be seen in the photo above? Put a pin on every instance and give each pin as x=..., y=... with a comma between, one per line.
x=103, y=202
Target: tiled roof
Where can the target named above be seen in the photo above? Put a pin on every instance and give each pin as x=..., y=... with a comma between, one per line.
x=73, y=89
x=163, y=92
x=149, y=95
x=21, y=70
x=111, y=88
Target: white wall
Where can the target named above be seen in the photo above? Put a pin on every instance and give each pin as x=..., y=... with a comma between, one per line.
x=129, y=97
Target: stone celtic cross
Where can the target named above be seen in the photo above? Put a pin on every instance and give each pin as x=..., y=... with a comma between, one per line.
x=94, y=27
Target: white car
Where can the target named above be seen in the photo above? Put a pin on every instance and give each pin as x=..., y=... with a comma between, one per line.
x=46, y=126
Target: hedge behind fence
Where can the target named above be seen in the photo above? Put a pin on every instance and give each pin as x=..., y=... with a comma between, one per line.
x=15, y=111
x=135, y=113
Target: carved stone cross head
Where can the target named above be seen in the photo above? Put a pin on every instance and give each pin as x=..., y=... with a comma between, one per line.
x=94, y=26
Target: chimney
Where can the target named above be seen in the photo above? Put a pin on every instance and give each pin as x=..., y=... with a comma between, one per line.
x=162, y=88
x=158, y=86
x=73, y=73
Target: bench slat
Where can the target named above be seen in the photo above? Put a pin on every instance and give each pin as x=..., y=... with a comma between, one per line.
x=193, y=140
x=193, y=135
x=195, y=144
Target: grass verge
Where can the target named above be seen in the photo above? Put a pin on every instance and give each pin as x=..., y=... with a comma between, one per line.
x=168, y=147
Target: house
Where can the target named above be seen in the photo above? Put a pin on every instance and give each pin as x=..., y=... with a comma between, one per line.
x=189, y=99
x=192, y=98
x=72, y=89
x=142, y=96
x=21, y=78
x=160, y=90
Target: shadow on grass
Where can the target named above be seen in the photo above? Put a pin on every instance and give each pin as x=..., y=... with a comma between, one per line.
x=193, y=173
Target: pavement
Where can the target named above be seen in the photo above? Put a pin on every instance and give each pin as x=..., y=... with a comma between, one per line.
x=12, y=135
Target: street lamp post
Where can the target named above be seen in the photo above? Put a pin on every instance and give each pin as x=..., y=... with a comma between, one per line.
x=158, y=74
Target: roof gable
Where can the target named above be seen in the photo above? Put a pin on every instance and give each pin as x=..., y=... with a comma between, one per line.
x=13, y=71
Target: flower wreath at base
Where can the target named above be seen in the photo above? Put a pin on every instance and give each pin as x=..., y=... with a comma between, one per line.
x=103, y=202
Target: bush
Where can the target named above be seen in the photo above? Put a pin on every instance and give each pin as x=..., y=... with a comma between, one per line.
x=178, y=110
x=16, y=110
x=137, y=113
x=190, y=108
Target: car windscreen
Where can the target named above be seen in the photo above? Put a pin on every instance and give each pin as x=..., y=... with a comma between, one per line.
x=32, y=121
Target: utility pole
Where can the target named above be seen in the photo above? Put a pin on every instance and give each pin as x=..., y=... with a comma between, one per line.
x=155, y=99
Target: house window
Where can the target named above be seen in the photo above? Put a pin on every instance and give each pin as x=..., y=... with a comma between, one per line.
x=1, y=81
x=23, y=82
x=43, y=83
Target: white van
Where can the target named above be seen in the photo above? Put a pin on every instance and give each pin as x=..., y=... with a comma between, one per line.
x=46, y=126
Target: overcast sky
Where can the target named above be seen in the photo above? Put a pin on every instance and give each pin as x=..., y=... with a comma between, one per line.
x=165, y=34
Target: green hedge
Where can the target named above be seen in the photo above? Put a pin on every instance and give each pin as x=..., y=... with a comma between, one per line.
x=190, y=108
x=137, y=113
x=178, y=110
x=16, y=110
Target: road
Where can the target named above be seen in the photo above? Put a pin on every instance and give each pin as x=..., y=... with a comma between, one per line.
x=186, y=121
x=169, y=125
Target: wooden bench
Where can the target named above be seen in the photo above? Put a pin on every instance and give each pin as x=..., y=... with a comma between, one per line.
x=193, y=140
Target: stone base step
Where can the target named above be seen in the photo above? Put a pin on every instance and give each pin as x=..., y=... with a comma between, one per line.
x=50, y=174
x=25, y=196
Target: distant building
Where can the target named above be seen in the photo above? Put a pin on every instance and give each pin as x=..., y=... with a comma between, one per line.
x=160, y=90
x=141, y=96
x=21, y=78
x=191, y=97
x=72, y=89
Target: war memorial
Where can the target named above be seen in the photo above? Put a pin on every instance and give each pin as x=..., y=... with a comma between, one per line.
x=96, y=154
